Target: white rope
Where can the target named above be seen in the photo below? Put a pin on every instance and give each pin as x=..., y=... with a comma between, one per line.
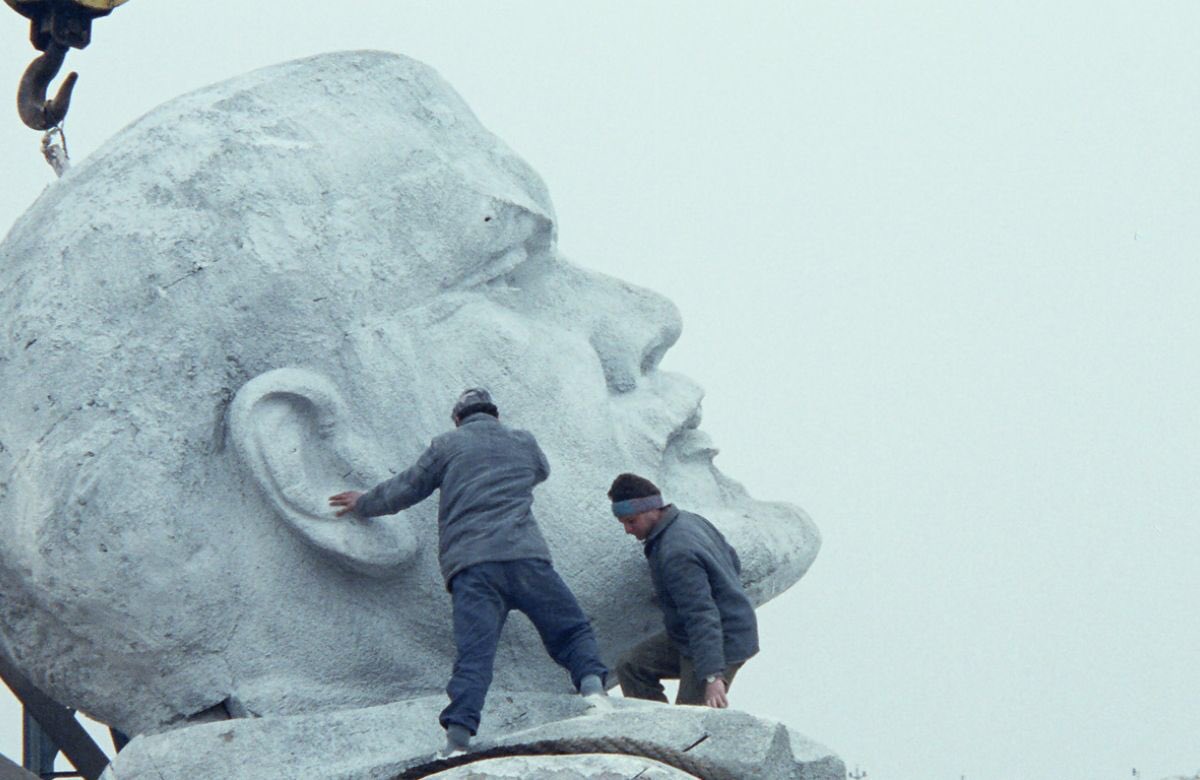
x=55, y=151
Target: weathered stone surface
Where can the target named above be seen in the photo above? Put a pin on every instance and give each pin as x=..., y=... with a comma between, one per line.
x=11, y=771
x=273, y=289
x=400, y=740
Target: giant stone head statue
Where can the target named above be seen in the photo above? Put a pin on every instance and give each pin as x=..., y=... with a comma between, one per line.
x=271, y=290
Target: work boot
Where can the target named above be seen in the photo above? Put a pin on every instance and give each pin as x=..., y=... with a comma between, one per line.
x=592, y=685
x=458, y=741
x=591, y=688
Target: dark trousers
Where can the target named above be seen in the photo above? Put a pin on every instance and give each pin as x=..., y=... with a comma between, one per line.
x=482, y=596
x=642, y=670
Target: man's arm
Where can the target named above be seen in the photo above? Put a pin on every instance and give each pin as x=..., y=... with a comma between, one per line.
x=400, y=492
x=543, y=465
x=686, y=580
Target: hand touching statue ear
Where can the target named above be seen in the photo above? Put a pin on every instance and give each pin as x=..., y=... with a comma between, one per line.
x=292, y=431
x=345, y=501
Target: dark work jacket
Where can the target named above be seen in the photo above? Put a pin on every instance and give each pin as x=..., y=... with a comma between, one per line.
x=486, y=472
x=697, y=575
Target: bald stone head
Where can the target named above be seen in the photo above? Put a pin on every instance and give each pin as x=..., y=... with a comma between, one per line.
x=271, y=290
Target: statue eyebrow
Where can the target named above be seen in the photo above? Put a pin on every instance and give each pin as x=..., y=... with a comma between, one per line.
x=530, y=242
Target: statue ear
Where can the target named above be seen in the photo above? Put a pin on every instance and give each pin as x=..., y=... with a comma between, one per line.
x=292, y=431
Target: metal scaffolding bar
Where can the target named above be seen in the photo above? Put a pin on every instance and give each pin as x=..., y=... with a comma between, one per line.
x=55, y=722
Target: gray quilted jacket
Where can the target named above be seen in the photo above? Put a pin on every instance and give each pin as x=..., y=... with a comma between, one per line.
x=486, y=472
x=697, y=575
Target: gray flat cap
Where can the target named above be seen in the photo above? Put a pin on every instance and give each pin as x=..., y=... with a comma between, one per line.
x=472, y=396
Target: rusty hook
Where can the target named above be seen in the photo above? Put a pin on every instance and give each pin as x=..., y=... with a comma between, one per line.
x=35, y=110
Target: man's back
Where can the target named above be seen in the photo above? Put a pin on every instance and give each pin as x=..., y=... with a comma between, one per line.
x=487, y=472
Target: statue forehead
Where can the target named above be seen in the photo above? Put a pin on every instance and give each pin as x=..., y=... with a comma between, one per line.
x=214, y=237
x=359, y=168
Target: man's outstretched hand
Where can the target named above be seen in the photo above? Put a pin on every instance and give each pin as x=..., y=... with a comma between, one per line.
x=345, y=501
x=714, y=694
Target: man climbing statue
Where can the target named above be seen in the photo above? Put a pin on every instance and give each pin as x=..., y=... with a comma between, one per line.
x=711, y=629
x=491, y=552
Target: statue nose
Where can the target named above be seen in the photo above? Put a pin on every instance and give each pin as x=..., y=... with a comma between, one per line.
x=631, y=343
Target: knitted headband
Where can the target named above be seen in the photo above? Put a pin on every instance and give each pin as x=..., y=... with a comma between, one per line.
x=635, y=506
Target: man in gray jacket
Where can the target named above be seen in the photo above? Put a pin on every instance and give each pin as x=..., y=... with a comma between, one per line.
x=711, y=629
x=491, y=552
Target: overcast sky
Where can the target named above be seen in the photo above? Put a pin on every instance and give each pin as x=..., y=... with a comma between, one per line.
x=939, y=269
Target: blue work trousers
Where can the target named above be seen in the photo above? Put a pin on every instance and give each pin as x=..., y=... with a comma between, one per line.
x=482, y=596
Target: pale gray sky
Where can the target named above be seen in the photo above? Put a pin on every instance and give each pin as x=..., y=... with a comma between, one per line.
x=939, y=267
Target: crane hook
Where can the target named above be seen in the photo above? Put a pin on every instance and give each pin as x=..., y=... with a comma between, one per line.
x=36, y=111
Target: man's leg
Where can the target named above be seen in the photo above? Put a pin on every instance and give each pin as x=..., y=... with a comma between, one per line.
x=692, y=688
x=642, y=670
x=479, y=613
x=536, y=589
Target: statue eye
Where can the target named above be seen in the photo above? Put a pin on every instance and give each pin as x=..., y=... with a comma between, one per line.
x=511, y=269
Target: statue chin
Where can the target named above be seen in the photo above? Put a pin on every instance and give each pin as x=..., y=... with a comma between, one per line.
x=295, y=274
